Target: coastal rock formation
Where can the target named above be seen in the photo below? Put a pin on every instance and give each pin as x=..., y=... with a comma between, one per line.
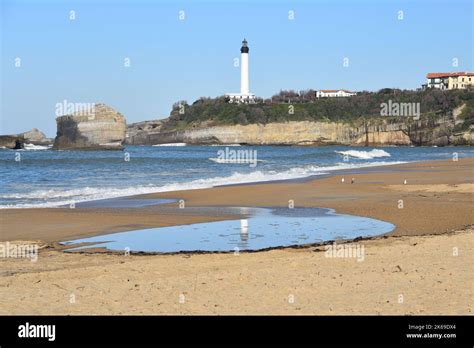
x=386, y=117
x=18, y=141
x=101, y=128
x=447, y=119
x=147, y=132
x=373, y=133
x=13, y=142
x=36, y=137
x=297, y=133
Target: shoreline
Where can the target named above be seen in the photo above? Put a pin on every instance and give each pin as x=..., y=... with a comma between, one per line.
x=363, y=198
x=313, y=176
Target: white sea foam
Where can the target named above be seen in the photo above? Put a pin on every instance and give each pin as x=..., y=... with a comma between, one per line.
x=234, y=160
x=375, y=153
x=57, y=197
x=171, y=144
x=36, y=147
x=225, y=145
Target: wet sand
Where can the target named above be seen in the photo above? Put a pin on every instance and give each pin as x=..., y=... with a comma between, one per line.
x=424, y=259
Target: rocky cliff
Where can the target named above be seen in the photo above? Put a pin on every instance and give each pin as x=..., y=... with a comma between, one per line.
x=296, y=133
x=13, y=142
x=144, y=133
x=101, y=128
x=36, y=137
x=374, y=132
x=385, y=117
x=18, y=141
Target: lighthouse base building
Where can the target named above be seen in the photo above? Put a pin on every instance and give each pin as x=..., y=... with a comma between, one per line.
x=244, y=96
x=240, y=98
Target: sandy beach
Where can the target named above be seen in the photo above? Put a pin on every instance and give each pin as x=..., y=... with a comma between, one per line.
x=422, y=267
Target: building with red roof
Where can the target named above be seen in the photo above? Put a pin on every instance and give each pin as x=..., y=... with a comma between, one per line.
x=449, y=80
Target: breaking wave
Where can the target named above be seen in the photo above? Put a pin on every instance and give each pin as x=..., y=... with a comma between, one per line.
x=375, y=153
x=59, y=197
x=171, y=144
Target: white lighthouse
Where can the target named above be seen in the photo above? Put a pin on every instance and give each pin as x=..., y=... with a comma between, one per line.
x=244, y=68
x=244, y=96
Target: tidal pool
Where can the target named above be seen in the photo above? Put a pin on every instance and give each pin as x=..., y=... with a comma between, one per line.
x=262, y=228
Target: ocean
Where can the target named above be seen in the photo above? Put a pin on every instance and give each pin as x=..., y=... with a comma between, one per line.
x=41, y=177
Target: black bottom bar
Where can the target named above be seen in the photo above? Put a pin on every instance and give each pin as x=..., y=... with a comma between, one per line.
x=140, y=330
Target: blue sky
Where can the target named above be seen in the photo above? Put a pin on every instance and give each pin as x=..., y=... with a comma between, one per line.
x=82, y=60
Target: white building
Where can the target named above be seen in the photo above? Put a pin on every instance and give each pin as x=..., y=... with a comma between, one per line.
x=334, y=93
x=244, y=96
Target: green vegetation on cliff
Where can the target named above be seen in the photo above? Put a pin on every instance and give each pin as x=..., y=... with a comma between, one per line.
x=303, y=106
x=467, y=115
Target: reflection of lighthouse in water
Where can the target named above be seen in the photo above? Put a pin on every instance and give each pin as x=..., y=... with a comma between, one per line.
x=244, y=232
